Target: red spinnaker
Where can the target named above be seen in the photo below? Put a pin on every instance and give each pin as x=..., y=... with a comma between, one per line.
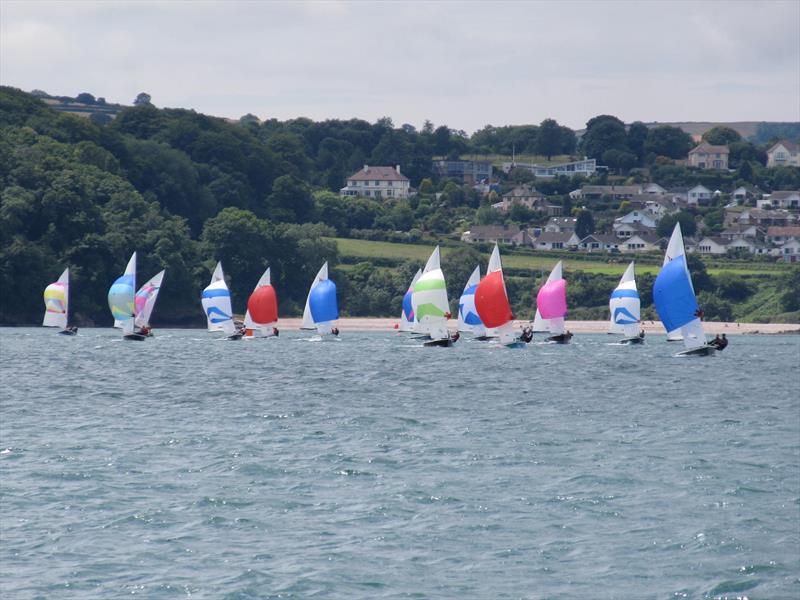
x=491, y=301
x=263, y=305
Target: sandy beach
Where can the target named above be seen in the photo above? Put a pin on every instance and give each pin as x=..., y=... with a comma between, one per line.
x=711, y=327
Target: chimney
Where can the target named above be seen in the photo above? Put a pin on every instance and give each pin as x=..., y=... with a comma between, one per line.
x=366, y=168
x=398, y=169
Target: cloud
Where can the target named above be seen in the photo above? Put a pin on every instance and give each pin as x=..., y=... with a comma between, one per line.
x=465, y=64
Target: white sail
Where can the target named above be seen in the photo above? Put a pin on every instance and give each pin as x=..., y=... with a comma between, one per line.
x=308, y=320
x=429, y=300
x=466, y=307
x=145, y=300
x=266, y=279
x=56, y=301
x=675, y=247
x=130, y=269
x=406, y=324
x=216, y=300
x=625, y=306
x=541, y=325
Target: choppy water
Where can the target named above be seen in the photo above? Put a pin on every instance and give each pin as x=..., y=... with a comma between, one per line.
x=368, y=468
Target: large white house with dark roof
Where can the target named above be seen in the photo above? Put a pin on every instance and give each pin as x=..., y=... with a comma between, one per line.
x=377, y=182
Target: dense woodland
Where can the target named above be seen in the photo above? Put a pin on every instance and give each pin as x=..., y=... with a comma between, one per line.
x=186, y=190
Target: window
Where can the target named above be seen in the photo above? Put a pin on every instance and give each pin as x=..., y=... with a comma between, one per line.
x=390, y=184
x=557, y=245
x=366, y=192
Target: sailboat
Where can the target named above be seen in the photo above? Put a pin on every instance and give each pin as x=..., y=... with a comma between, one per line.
x=216, y=301
x=625, y=308
x=262, y=309
x=122, y=301
x=56, y=302
x=322, y=308
x=468, y=319
x=675, y=299
x=145, y=302
x=551, y=306
x=430, y=304
x=491, y=302
x=408, y=320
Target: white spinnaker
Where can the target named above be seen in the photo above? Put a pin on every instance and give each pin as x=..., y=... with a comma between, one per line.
x=405, y=324
x=629, y=304
x=308, y=319
x=130, y=269
x=58, y=319
x=143, y=316
x=540, y=324
x=266, y=279
x=218, y=303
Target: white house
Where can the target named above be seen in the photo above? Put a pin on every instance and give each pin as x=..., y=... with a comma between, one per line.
x=597, y=242
x=780, y=235
x=557, y=241
x=522, y=195
x=640, y=243
x=751, y=245
x=784, y=154
x=711, y=245
x=784, y=199
x=737, y=231
x=790, y=251
x=709, y=156
x=699, y=194
x=644, y=217
x=654, y=189
x=627, y=230
x=377, y=182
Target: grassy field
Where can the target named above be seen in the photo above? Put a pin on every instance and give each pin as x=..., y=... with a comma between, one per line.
x=369, y=250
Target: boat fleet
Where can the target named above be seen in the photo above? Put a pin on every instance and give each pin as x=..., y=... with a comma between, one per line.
x=484, y=310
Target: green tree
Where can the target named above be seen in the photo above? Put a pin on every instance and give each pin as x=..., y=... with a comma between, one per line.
x=584, y=225
x=667, y=224
x=637, y=135
x=668, y=141
x=142, y=99
x=549, y=138
x=290, y=200
x=721, y=136
x=603, y=133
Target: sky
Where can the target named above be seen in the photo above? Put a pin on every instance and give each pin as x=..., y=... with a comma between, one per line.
x=461, y=64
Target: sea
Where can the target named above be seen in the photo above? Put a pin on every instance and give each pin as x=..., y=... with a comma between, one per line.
x=185, y=466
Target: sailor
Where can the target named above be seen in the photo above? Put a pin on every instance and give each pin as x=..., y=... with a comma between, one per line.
x=454, y=337
x=335, y=331
x=275, y=332
x=641, y=334
x=716, y=341
x=723, y=343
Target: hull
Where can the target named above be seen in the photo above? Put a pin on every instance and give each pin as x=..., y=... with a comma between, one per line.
x=517, y=344
x=234, y=337
x=699, y=351
x=559, y=339
x=483, y=338
x=632, y=340
x=448, y=343
x=134, y=337
x=68, y=332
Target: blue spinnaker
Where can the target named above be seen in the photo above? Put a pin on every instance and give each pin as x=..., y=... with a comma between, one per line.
x=408, y=309
x=322, y=302
x=674, y=296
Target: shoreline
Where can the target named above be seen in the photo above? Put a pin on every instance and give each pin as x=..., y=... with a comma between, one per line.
x=651, y=327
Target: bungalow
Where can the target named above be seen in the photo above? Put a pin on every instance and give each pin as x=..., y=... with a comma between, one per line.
x=377, y=182
x=783, y=154
x=586, y=167
x=661, y=207
x=644, y=217
x=627, y=230
x=643, y=242
x=597, y=242
x=557, y=241
x=654, y=189
x=708, y=156
x=742, y=194
x=499, y=234
x=751, y=245
x=784, y=199
x=780, y=235
x=790, y=251
x=758, y=216
x=712, y=245
x=699, y=194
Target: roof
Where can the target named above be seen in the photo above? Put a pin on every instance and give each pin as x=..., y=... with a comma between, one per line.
x=493, y=231
x=611, y=189
x=720, y=241
x=710, y=149
x=649, y=238
x=561, y=221
x=523, y=192
x=602, y=238
x=635, y=226
x=790, y=146
x=783, y=194
x=548, y=237
x=776, y=230
x=377, y=174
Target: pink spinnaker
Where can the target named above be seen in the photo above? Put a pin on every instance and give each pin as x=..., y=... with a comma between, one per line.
x=552, y=299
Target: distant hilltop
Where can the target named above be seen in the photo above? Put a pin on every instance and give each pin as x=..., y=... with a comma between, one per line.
x=696, y=129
